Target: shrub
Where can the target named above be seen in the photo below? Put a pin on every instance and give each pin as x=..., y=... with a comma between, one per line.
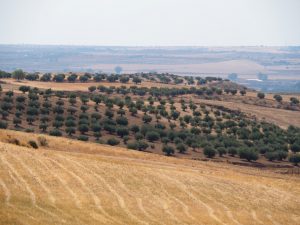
x=152, y=136
x=147, y=118
x=232, y=151
x=261, y=95
x=126, y=139
x=122, y=121
x=221, y=151
x=271, y=156
x=112, y=141
x=3, y=125
x=122, y=131
x=55, y=132
x=181, y=148
x=70, y=130
x=139, y=136
x=281, y=155
x=209, y=152
x=33, y=144
x=132, y=145
x=83, y=128
x=295, y=159
x=168, y=150
x=135, y=128
x=248, y=154
x=83, y=138
x=110, y=128
x=142, y=145
x=295, y=147
x=278, y=98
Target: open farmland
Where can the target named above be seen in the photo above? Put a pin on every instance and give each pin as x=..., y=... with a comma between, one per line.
x=116, y=186
x=193, y=119
x=11, y=84
x=280, y=117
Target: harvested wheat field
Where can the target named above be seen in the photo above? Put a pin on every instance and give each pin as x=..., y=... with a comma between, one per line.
x=65, y=86
x=84, y=183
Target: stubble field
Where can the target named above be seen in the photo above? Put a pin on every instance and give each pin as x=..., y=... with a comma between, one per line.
x=70, y=182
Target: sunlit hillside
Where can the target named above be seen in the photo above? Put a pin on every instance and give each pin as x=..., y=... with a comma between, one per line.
x=71, y=182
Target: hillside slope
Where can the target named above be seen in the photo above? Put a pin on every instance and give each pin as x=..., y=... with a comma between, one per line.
x=85, y=183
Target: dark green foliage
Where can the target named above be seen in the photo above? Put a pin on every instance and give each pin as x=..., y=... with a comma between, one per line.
x=112, y=141
x=261, y=95
x=147, y=119
x=55, y=132
x=70, y=130
x=209, y=152
x=83, y=138
x=17, y=121
x=18, y=74
x=232, y=151
x=43, y=126
x=152, y=136
x=278, y=98
x=248, y=154
x=168, y=150
x=3, y=124
x=122, y=121
x=295, y=147
x=221, y=151
x=24, y=89
x=181, y=148
x=295, y=159
x=135, y=128
x=83, y=128
x=122, y=131
x=271, y=156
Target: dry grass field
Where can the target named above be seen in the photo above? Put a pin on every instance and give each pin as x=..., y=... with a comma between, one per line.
x=70, y=182
x=65, y=86
x=280, y=117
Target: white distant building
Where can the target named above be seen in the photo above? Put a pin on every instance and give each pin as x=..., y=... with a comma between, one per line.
x=254, y=80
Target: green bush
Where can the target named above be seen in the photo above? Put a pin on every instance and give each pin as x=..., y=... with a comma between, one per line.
x=295, y=147
x=55, y=132
x=152, y=136
x=248, y=154
x=3, y=125
x=232, y=151
x=181, y=148
x=83, y=138
x=271, y=156
x=295, y=159
x=221, y=151
x=168, y=150
x=209, y=152
x=132, y=145
x=281, y=155
x=112, y=141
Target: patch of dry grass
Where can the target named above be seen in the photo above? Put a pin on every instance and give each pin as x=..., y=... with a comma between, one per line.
x=280, y=117
x=65, y=86
x=118, y=186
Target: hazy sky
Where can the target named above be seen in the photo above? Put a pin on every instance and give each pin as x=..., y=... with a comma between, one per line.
x=150, y=22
